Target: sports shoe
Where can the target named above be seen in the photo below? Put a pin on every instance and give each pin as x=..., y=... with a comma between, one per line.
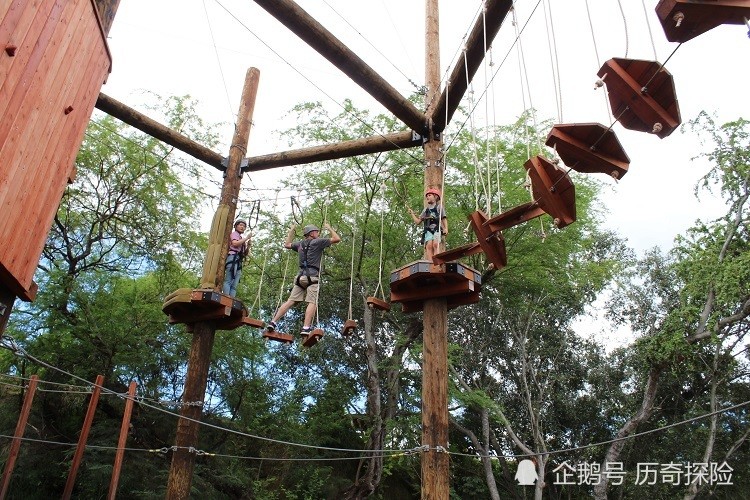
x=271, y=326
x=306, y=330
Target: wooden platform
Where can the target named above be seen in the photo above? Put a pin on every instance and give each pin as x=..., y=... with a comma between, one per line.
x=189, y=306
x=313, y=338
x=589, y=148
x=376, y=303
x=284, y=338
x=553, y=190
x=350, y=326
x=683, y=20
x=642, y=95
x=414, y=283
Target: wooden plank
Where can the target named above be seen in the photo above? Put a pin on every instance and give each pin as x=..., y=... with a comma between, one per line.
x=313, y=338
x=457, y=253
x=26, y=62
x=491, y=242
x=36, y=122
x=514, y=216
x=349, y=327
x=15, y=19
x=64, y=153
x=278, y=337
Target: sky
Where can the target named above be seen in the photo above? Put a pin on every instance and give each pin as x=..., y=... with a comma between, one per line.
x=204, y=47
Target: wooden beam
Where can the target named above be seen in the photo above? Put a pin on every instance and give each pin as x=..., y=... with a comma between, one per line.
x=346, y=149
x=496, y=10
x=319, y=38
x=155, y=129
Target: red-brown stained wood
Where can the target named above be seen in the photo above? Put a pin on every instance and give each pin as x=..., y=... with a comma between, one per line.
x=683, y=20
x=515, y=216
x=642, y=95
x=60, y=63
x=553, y=190
x=492, y=242
x=589, y=148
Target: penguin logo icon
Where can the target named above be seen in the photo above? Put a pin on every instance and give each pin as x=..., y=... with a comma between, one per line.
x=526, y=473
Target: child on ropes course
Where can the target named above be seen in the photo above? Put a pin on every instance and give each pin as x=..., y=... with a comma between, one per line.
x=435, y=223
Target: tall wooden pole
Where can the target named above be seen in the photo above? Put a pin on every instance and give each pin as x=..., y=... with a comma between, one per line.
x=435, y=483
x=183, y=458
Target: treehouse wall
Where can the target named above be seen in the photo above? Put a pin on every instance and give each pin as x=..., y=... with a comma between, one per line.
x=53, y=63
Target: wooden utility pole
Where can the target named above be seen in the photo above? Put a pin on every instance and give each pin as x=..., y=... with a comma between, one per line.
x=435, y=464
x=183, y=458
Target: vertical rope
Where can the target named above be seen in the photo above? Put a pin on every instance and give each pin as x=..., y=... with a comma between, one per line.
x=351, y=270
x=648, y=25
x=598, y=60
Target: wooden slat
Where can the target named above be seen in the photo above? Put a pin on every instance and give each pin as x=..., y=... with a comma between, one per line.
x=313, y=338
x=349, y=327
x=515, y=216
x=457, y=253
x=278, y=337
x=53, y=163
x=26, y=61
x=379, y=304
x=35, y=125
x=63, y=154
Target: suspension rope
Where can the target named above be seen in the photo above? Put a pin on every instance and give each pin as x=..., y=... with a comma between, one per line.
x=625, y=26
x=218, y=62
x=380, y=259
x=354, y=241
x=554, y=59
x=648, y=25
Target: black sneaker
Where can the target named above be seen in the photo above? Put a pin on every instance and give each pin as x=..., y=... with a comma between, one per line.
x=306, y=330
x=271, y=326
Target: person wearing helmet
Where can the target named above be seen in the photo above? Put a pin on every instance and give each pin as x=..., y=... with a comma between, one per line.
x=238, y=248
x=435, y=223
x=306, y=284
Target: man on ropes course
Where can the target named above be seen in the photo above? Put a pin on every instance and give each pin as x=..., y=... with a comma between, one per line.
x=435, y=223
x=306, y=284
x=238, y=249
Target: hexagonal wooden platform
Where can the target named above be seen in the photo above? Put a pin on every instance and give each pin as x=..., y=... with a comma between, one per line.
x=189, y=306
x=418, y=281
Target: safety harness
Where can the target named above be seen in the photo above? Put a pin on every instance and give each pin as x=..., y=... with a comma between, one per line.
x=305, y=267
x=431, y=221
